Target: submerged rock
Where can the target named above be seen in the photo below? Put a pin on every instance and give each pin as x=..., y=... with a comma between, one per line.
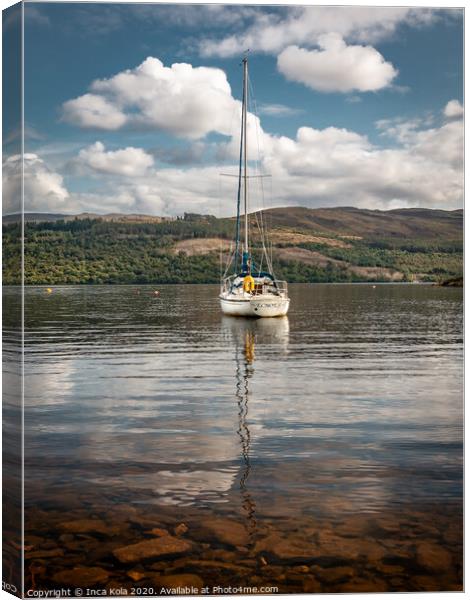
x=284, y=548
x=33, y=540
x=432, y=557
x=311, y=586
x=44, y=553
x=390, y=569
x=37, y=568
x=217, y=565
x=221, y=555
x=88, y=526
x=65, y=538
x=227, y=531
x=354, y=527
x=427, y=583
x=336, y=574
x=331, y=545
x=159, y=546
x=81, y=576
x=371, y=550
x=135, y=575
x=358, y=585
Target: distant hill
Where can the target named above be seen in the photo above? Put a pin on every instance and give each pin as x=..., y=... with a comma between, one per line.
x=324, y=244
x=32, y=217
x=52, y=217
x=412, y=223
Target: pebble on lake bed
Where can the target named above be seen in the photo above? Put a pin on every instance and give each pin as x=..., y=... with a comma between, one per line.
x=158, y=532
x=181, y=529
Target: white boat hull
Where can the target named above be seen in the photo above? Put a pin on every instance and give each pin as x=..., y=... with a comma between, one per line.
x=236, y=307
x=269, y=306
x=256, y=306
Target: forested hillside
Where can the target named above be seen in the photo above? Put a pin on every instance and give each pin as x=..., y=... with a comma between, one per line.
x=308, y=245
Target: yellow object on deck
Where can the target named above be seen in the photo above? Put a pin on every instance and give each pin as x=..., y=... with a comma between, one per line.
x=248, y=283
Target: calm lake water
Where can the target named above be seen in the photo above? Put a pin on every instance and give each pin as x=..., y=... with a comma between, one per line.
x=319, y=452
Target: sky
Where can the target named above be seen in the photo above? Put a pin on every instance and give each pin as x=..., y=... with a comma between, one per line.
x=135, y=108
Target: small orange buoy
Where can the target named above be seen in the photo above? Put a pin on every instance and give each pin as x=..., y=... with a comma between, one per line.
x=49, y=290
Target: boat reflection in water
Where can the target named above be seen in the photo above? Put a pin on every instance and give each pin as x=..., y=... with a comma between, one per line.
x=248, y=334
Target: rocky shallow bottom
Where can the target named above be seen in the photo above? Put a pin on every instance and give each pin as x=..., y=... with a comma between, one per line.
x=148, y=551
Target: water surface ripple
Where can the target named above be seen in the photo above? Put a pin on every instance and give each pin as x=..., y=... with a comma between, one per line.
x=351, y=404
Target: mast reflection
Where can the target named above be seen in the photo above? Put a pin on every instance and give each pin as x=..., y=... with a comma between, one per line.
x=272, y=335
x=244, y=358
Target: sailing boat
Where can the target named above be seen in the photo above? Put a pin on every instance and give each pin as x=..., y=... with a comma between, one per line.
x=250, y=291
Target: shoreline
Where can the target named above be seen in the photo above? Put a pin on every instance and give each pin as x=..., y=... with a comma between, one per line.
x=319, y=283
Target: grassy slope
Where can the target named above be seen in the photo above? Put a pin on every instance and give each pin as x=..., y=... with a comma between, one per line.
x=411, y=224
x=335, y=244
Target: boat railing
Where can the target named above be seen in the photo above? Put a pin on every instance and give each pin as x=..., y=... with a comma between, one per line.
x=276, y=286
x=227, y=284
x=281, y=287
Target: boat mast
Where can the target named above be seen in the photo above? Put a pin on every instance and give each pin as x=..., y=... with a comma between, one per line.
x=245, y=178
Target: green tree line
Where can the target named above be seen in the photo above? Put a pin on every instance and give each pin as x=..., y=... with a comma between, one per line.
x=94, y=251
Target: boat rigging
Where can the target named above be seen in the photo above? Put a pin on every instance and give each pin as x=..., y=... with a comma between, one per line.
x=249, y=291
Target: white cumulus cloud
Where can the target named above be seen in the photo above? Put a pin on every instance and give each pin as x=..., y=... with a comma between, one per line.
x=443, y=145
x=93, y=111
x=272, y=32
x=453, y=109
x=44, y=189
x=279, y=110
x=422, y=166
x=334, y=166
x=336, y=67
x=127, y=161
x=183, y=100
